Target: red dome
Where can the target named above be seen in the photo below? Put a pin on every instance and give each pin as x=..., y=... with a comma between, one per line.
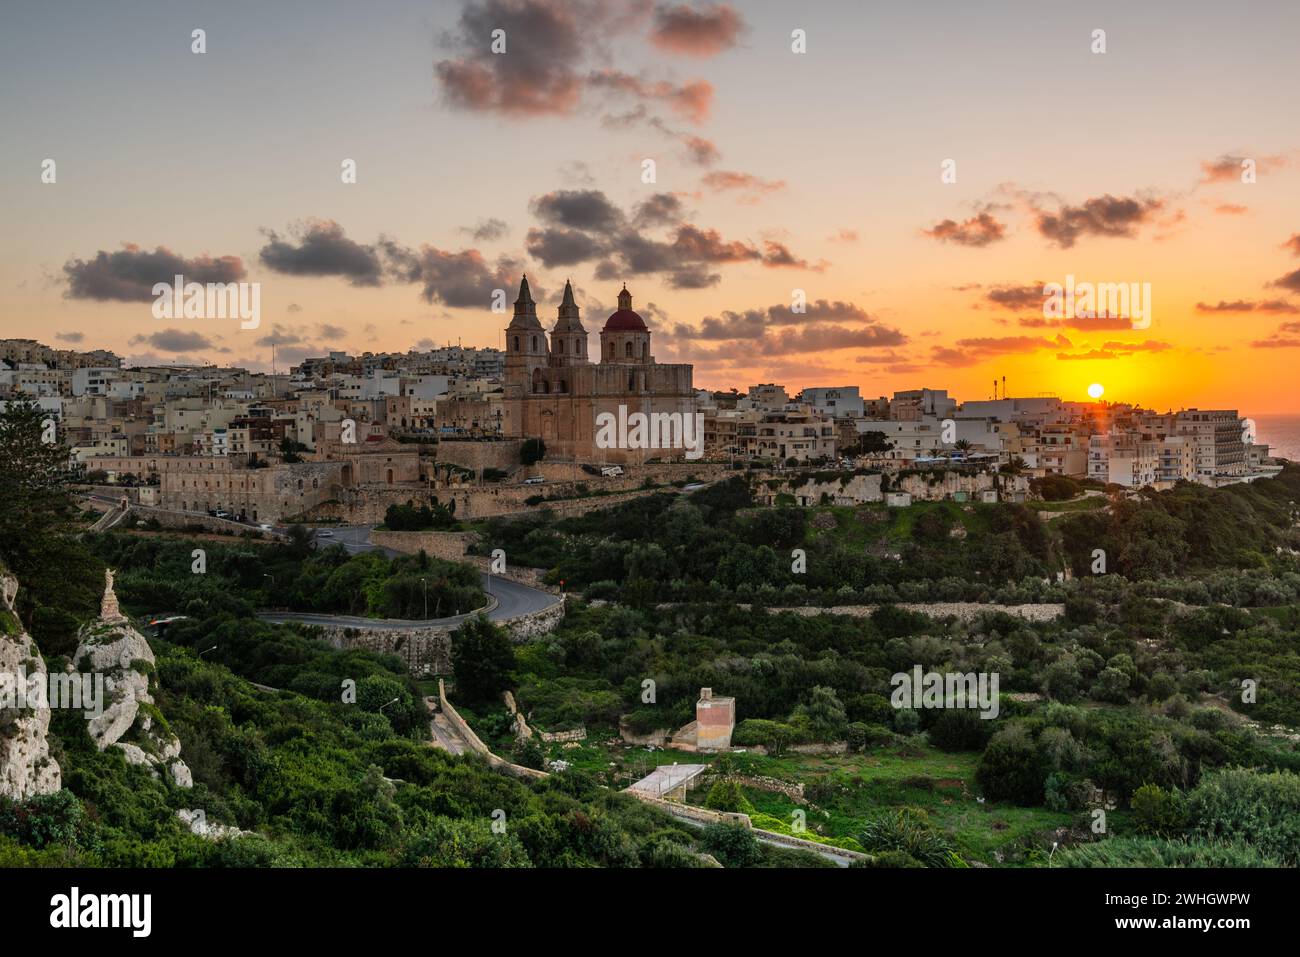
x=625, y=320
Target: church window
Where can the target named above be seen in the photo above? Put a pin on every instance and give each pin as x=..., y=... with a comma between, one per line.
x=631, y=383
x=645, y=348
x=560, y=343
x=516, y=343
x=534, y=343
x=628, y=350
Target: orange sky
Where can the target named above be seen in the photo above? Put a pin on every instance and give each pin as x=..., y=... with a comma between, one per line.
x=774, y=172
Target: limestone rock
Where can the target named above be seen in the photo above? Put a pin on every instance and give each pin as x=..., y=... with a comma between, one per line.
x=110, y=646
x=26, y=768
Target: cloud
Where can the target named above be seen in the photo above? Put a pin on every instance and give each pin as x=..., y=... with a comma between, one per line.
x=1276, y=343
x=691, y=101
x=129, y=274
x=585, y=209
x=661, y=209
x=70, y=336
x=562, y=247
x=585, y=226
x=978, y=231
x=322, y=249
x=1086, y=323
x=331, y=331
x=487, y=230
x=822, y=324
x=700, y=151
x=173, y=340
x=539, y=72
x=1229, y=168
x=974, y=350
x=1117, y=350
x=702, y=33
x=1016, y=297
x=1293, y=244
x=1289, y=282
x=1231, y=209
x=1100, y=216
x=777, y=255
x=751, y=187
x=843, y=236
x=1248, y=305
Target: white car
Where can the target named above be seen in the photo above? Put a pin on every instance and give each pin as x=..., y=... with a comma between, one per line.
x=612, y=471
x=324, y=533
x=534, y=480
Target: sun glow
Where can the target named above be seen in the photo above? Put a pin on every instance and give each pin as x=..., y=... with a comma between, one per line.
x=1096, y=390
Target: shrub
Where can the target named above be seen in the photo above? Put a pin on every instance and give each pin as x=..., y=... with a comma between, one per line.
x=1157, y=812
x=909, y=830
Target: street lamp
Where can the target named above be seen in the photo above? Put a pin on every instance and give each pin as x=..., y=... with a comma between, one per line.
x=425, y=583
x=206, y=650
x=383, y=706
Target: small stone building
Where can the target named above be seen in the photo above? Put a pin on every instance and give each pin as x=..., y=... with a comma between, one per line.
x=715, y=719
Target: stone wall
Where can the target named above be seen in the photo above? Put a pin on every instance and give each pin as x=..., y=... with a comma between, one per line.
x=476, y=743
x=449, y=546
x=426, y=651
x=477, y=456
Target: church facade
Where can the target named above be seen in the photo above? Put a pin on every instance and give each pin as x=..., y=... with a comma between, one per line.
x=556, y=392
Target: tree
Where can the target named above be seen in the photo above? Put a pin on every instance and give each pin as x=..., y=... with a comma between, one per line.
x=33, y=474
x=532, y=451
x=483, y=659
x=824, y=714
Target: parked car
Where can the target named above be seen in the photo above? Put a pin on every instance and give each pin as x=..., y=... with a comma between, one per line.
x=534, y=480
x=324, y=533
x=612, y=471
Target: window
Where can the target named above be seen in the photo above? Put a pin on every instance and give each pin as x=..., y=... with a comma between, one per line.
x=628, y=350
x=534, y=343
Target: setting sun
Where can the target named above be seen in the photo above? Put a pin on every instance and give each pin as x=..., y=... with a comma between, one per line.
x=1096, y=390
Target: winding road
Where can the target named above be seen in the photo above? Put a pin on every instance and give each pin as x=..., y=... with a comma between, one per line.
x=506, y=598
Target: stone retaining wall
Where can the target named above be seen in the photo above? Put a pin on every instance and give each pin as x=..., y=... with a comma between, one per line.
x=476, y=743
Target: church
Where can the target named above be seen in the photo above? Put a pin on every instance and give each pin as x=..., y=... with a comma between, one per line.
x=555, y=392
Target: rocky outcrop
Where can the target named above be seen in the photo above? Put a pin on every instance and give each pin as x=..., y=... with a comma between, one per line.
x=129, y=720
x=26, y=768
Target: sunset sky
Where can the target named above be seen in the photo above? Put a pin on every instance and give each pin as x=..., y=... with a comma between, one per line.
x=775, y=171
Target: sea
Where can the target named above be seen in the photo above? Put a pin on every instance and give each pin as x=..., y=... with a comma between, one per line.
x=1281, y=432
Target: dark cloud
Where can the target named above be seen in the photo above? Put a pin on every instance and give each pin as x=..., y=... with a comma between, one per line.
x=1293, y=244
x=1100, y=216
x=129, y=274
x=173, y=340
x=1276, y=343
x=70, y=336
x=661, y=209
x=1289, y=282
x=821, y=321
x=980, y=230
x=322, y=249
x=1248, y=305
x=464, y=279
x=331, y=331
x=586, y=209
x=539, y=72
x=1017, y=297
x=701, y=32
x=777, y=256
x=563, y=247
x=487, y=230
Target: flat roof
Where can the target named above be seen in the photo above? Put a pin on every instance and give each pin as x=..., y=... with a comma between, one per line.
x=667, y=777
